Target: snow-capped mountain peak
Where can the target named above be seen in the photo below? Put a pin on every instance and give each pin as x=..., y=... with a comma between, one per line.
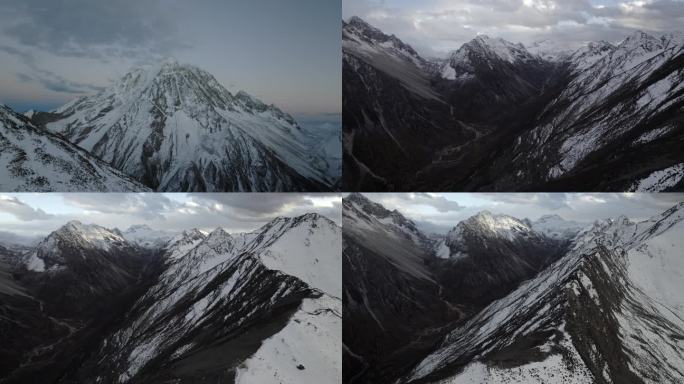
x=496, y=48
x=71, y=239
x=174, y=127
x=548, y=50
x=499, y=225
x=146, y=237
x=483, y=52
x=554, y=226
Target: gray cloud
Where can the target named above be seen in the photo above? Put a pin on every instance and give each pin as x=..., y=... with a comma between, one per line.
x=437, y=26
x=236, y=212
x=551, y=201
x=48, y=79
x=143, y=205
x=22, y=211
x=95, y=29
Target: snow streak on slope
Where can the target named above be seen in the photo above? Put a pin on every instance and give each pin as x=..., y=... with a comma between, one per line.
x=37, y=161
x=175, y=128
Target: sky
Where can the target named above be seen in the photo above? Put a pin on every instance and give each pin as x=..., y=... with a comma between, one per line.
x=439, y=212
x=283, y=52
x=435, y=27
x=38, y=214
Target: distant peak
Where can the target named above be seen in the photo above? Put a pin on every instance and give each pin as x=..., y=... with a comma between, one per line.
x=192, y=232
x=138, y=227
x=551, y=217
x=218, y=232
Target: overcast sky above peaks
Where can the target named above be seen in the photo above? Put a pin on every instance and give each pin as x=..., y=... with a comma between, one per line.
x=37, y=214
x=283, y=52
x=434, y=27
x=439, y=212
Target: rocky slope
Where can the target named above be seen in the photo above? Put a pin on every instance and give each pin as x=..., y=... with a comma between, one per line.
x=173, y=127
x=32, y=160
x=496, y=115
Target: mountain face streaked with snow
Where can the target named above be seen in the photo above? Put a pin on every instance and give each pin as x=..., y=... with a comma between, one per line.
x=499, y=116
x=33, y=160
x=174, y=127
x=595, y=303
x=147, y=306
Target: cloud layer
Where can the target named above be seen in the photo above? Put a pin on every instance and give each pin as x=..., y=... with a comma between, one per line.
x=31, y=214
x=286, y=53
x=437, y=26
x=582, y=207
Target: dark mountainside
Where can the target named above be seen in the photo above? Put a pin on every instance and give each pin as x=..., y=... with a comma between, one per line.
x=494, y=116
x=505, y=300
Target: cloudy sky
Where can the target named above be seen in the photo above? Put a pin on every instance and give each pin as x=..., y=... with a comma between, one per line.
x=284, y=52
x=440, y=212
x=27, y=214
x=434, y=27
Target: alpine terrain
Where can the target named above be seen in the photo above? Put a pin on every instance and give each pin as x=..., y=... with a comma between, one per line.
x=503, y=300
x=92, y=305
x=500, y=116
x=174, y=127
x=34, y=160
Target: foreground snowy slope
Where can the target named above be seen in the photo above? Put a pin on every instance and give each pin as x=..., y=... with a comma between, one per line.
x=32, y=160
x=605, y=313
x=173, y=127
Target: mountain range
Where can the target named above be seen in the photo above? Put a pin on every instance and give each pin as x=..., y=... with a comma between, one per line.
x=92, y=304
x=500, y=116
x=167, y=127
x=505, y=300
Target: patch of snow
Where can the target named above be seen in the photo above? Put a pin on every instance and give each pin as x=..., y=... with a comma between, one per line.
x=307, y=351
x=660, y=180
